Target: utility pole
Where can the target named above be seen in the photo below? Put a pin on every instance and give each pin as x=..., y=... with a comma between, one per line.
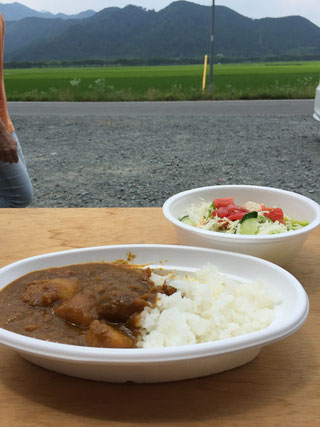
x=211, y=48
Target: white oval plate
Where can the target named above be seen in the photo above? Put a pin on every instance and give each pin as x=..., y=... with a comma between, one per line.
x=162, y=364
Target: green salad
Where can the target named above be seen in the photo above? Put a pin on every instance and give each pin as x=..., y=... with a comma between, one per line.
x=224, y=216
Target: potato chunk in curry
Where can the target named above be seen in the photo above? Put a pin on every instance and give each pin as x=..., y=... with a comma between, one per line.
x=104, y=335
x=79, y=310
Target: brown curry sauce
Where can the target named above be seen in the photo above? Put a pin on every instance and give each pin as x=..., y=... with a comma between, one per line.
x=93, y=304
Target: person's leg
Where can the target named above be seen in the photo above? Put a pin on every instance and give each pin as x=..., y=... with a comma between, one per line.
x=15, y=185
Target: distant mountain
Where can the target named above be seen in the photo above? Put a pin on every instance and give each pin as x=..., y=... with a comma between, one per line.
x=180, y=30
x=81, y=15
x=22, y=33
x=17, y=11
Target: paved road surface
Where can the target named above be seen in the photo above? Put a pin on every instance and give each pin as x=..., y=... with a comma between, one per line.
x=198, y=108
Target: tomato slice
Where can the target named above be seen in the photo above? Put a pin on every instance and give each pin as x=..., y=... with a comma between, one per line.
x=220, y=203
x=236, y=215
x=233, y=207
x=222, y=212
x=231, y=211
x=275, y=214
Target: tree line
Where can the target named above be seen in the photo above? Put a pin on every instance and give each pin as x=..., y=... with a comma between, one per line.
x=131, y=62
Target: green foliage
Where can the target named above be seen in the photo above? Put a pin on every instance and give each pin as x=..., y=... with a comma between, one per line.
x=231, y=81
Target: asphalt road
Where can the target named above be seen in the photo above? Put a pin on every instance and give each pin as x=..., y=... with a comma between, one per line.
x=139, y=154
x=198, y=108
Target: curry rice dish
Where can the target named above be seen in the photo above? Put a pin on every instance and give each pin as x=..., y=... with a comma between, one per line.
x=124, y=306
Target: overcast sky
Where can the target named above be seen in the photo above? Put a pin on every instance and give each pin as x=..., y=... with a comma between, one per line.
x=309, y=9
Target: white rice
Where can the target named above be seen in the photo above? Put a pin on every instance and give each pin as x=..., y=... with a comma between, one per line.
x=208, y=306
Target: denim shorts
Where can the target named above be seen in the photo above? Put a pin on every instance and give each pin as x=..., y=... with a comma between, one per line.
x=15, y=185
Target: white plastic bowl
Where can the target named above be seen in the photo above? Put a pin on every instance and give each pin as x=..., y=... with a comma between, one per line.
x=277, y=248
x=162, y=364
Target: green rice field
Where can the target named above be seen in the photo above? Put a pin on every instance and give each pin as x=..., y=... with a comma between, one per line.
x=291, y=80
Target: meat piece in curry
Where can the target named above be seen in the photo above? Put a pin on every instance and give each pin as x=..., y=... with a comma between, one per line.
x=44, y=292
x=94, y=304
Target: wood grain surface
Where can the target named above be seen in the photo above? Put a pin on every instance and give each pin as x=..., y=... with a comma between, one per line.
x=280, y=387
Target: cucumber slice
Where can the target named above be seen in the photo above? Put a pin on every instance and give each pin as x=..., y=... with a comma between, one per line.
x=302, y=223
x=250, y=226
x=186, y=220
x=249, y=223
x=249, y=215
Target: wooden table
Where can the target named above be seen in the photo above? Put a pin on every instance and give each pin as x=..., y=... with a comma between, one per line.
x=280, y=387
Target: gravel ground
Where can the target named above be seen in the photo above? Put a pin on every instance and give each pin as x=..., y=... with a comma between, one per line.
x=128, y=161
